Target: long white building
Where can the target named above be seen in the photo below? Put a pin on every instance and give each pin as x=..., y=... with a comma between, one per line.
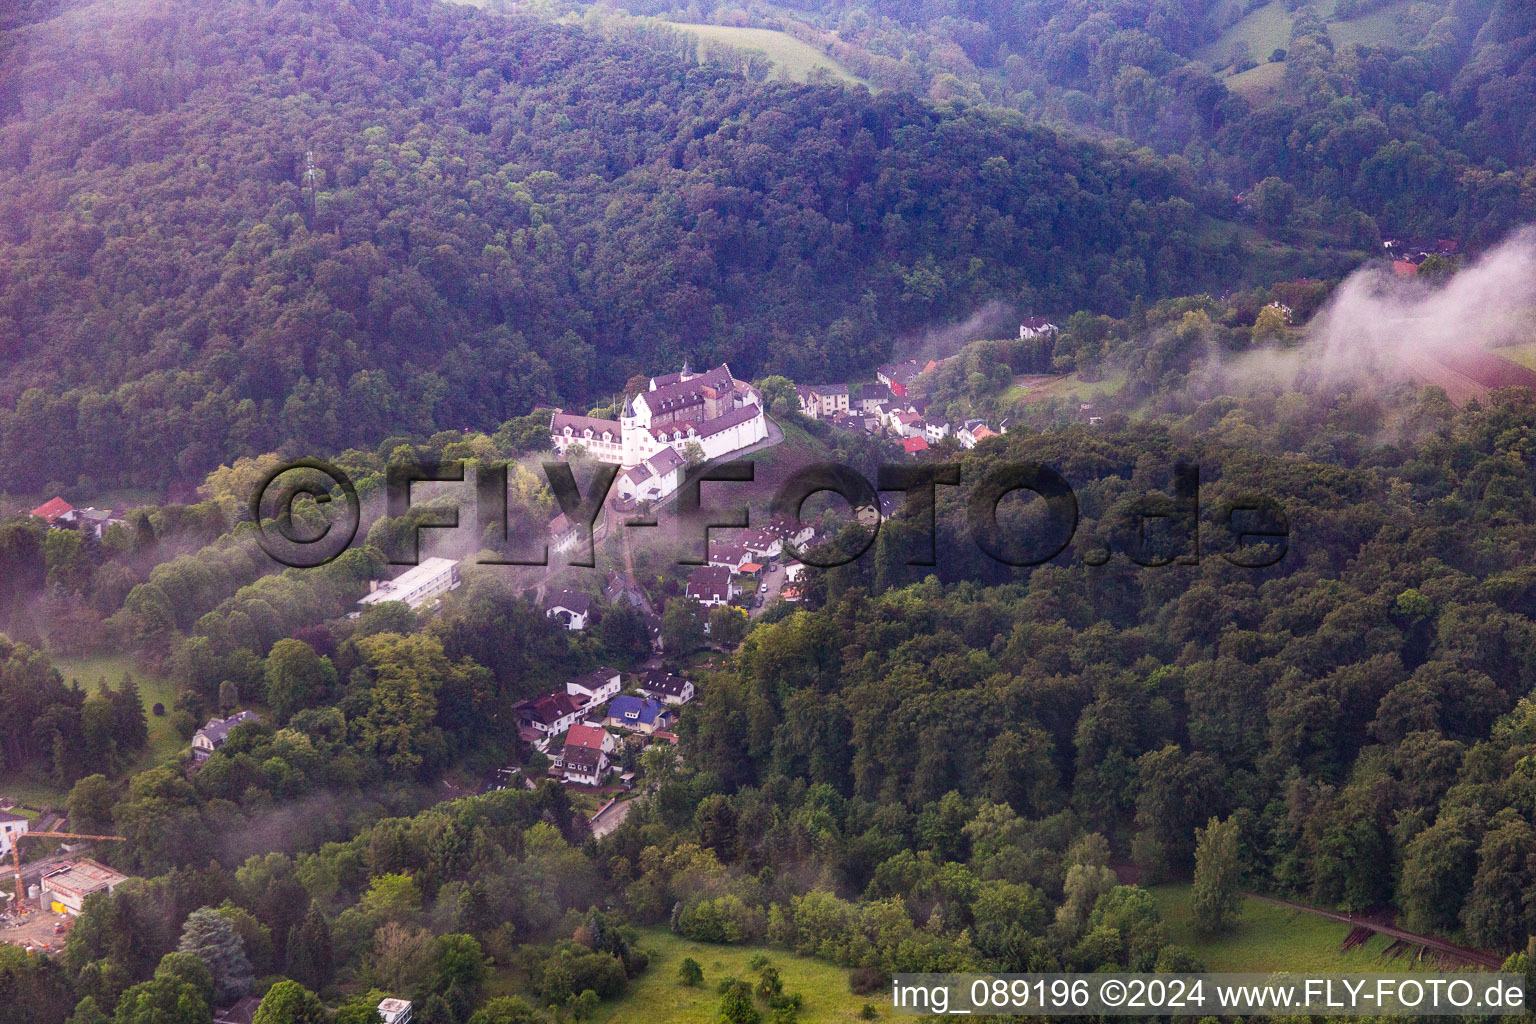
x=652, y=435
x=420, y=585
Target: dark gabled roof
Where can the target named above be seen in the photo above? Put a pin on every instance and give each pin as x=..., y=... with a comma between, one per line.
x=711, y=581
x=217, y=730
x=589, y=759
x=622, y=587
x=560, y=420
x=657, y=681
x=596, y=679
x=574, y=600
x=549, y=708
x=683, y=393
x=665, y=461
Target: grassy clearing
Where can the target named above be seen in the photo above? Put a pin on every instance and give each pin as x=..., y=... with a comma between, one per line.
x=1264, y=30
x=1270, y=938
x=1260, y=82
x=1390, y=26
x=163, y=741
x=1031, y=388
x=1525, y=354
x=794, y=60
x=1268, y=28
x=30, y=792
x=656, y=995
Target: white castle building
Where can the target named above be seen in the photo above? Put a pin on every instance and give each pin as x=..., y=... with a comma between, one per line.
x=649, y=439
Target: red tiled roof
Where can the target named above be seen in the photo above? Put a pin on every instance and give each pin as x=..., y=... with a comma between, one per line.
x=52, y=509
x=914, y=444
x=583, y=735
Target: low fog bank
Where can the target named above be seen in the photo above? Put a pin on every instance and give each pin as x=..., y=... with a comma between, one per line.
x=1377, y=325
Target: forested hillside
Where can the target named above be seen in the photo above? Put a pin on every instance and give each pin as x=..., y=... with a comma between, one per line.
x=502, y=213
x=1416, y=115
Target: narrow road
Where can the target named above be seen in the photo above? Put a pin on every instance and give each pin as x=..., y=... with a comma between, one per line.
x=774, y=578
x=612, y=818
x=1475, y=956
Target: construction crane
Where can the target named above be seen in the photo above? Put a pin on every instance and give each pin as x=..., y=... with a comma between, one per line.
x=21, y=893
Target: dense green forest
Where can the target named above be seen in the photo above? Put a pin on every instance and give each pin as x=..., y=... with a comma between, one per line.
x=1420, y=122
x=502, y=212
x=911, y=772
x=384, y=231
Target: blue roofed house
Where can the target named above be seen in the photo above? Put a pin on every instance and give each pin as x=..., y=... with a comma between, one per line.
x=640, y=714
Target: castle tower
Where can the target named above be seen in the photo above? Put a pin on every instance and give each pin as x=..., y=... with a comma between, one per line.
x=687, y=373
x=633, y=436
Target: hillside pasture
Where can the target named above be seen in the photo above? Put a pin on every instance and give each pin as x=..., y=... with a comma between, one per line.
x=794, y=60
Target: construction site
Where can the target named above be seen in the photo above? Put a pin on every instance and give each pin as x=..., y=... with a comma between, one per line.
x=49, y=892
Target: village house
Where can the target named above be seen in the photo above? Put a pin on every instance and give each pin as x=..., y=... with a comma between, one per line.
x=764, y=545
x=96, y=521
x=791, y=532
x=913, y=445
x=644, y=715
x=906, y=424
x=571, y=607
x=551, y=714
x=594, y=737
x=65, y=888
x=592, y=688
x=621, y=588
x=731, y=556
x=711, y=585
x=61, y=515
x=11, y=826
x=417, y=586
x=1036, y=327
x=52, y=510
x=213, y=735
x=822, y=401
x=563, y=534
x=583, y=766
x=899, y=377
x=935, y=429
x=973, y=432
x=242, y=1011
x=869, y=398
x=666, y=687
x=583, y=760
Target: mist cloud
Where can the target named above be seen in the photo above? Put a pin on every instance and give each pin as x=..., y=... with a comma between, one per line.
x=1379, y=327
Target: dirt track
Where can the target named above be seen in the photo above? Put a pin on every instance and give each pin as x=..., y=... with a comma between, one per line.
x=1472, y=956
